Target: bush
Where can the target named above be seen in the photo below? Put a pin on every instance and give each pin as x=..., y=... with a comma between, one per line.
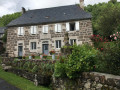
x=82, y=59
x=59, y=69
x=35, y=69
x=109, y=59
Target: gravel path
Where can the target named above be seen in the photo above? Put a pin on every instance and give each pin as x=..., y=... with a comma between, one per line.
x=6, y=86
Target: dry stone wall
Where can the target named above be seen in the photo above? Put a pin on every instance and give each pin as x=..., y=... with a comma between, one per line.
x=88, y=81
x=13, y=40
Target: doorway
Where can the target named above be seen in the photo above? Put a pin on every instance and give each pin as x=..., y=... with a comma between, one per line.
x=45, y=49
x=20, y=51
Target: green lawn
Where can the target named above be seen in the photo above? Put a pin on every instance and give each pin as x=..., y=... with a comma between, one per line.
x=38, y=57
x=19, y=82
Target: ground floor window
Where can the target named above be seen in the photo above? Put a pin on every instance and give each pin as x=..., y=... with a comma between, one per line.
x=72, y=41
x=58, y=43
x=33, y=45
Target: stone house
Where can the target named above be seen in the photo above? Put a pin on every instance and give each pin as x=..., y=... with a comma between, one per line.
x=42, y=30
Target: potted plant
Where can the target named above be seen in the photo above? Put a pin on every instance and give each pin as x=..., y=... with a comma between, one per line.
x=24, y=57
x=52, y=52
x=41, y=56
x=30, y=57
x=33, y=56
x=44, y=56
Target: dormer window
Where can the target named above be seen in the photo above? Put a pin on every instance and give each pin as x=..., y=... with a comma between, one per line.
x=33, y=30
x=20, y=31
x=58, y=28
x=45, y=29
x=72, y=26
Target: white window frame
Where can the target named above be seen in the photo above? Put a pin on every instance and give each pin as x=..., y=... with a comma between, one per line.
x=20, y=31
x=33, y=30
x=77, y=25
x=45, y=29
x=58, y=27
x=33, y=47
x=59, y=41
x=73, y=40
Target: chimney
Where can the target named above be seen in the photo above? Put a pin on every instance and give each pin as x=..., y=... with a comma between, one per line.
x=23, y=10
x=82, y=4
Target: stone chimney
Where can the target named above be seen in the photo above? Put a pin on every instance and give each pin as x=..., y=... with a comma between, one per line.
x=82, y=4
x=23, y=10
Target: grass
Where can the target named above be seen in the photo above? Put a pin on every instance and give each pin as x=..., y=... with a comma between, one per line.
x=19, y=82
x=38, y=57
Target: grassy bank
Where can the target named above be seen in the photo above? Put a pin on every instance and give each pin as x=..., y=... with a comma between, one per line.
x=19, y=82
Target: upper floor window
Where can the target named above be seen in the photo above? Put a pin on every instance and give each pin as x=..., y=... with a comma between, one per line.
x=45, y=29
x=58, y=28
x=33, y=29
x=72, y=41
x=20, y=31
x=58, y=43
x=33, y=45
x=72, y=26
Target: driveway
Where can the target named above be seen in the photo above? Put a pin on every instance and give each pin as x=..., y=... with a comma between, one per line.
x=6, y=86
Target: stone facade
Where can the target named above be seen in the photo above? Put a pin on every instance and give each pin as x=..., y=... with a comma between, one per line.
x=13, y=40
x=88, y=81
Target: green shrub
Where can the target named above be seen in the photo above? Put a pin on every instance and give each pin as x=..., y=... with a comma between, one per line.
x=59, y=69
x=82, y=59
x=109, y=59
x=35, y=69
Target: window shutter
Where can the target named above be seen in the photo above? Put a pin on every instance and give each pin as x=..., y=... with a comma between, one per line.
x=59, y=27
x=31, y=29
x=77, y=25
x=56, y=27
x=22, y=31
x=35, y=29
x=18, y=30
x=67, y=27
x=43, y=29
x=46, y=29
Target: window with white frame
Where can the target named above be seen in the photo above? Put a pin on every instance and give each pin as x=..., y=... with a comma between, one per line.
x=58, y=27
x=33, y=29
x=33, y=45
x=72, y=26
x=58, y=43
x=45, y=29
x=20, y=31
x=72, y=41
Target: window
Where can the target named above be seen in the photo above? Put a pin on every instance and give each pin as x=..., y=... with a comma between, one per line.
x=33, y=29
x=58, y=43
x=72, y=41
x=45, y=29
x=72, y=26
x=33, y=45
x=20, y=31
x=58, y=27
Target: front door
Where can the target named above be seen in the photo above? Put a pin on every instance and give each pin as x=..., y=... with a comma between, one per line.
x=45, y=49
x=20, y=50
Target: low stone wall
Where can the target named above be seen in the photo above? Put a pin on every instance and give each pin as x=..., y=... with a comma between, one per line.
x=88, y=81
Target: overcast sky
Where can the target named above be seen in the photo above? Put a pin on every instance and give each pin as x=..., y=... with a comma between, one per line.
x=11, y=6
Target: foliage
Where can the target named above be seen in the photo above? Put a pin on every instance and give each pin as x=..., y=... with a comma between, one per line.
x=44, y=56
x=35, y=69
x=105, y=17
x=110, y=58
x=60, y=70
x=115, y=36
x=52, y=52
x=81, y=60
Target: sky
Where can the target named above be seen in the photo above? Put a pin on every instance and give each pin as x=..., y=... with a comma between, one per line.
x=11, y=6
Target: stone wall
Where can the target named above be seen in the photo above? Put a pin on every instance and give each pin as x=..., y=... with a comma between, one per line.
x=13, y=40
x=88, y=81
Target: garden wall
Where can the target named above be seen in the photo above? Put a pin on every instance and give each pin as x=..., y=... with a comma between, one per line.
x=88, y=81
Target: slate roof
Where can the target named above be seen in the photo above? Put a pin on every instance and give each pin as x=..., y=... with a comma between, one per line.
x=51, y=15
x=2, y=30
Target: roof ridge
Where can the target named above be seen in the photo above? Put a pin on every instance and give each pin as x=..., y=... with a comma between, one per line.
x=53, y=7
